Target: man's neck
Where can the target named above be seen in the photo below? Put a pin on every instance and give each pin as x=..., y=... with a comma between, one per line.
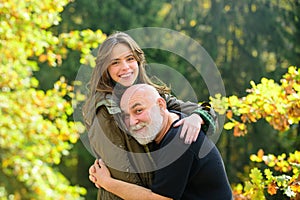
x=171, y=117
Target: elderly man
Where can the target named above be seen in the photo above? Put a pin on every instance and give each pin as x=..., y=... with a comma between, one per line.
x=183, y=171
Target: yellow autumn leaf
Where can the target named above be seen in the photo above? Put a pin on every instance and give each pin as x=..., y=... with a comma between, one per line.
x=229, y=125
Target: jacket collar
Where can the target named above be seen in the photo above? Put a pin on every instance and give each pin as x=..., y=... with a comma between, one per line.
x=110, y=104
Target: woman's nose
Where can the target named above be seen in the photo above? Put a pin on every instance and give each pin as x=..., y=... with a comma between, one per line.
x=124, y=65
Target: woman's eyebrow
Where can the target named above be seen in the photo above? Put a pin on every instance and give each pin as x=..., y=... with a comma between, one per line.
x=126, y=56
x=114, y=59
x=129, y=55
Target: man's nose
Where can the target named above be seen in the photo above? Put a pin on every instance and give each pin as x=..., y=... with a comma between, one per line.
x=133, y=121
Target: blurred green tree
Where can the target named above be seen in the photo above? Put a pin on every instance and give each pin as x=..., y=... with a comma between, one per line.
x=35, y=126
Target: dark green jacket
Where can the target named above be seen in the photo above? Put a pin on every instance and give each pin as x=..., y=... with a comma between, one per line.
x=120, y=151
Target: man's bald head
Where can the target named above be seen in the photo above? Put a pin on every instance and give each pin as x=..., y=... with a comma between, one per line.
x=139, y=92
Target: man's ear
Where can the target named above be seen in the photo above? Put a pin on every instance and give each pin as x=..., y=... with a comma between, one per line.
x=162, y=103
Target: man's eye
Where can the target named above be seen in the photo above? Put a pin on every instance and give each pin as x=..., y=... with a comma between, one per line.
x=139, y=111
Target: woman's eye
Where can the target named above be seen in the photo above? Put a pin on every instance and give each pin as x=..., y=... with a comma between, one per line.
x=114, y=63
x=131, y=58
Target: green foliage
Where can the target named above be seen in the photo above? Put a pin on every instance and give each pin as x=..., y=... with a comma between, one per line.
x=254, y=188
x=35, y=126
x=278, y=104
x=287, y=180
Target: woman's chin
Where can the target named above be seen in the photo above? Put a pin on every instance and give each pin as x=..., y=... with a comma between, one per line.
x=126, y=83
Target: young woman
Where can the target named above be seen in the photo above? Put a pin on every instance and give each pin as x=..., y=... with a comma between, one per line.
x=121, y=63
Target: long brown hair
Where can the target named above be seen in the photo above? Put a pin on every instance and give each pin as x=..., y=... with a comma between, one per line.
x=101, y=83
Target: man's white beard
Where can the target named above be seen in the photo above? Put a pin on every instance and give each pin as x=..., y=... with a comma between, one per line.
x=151, y=130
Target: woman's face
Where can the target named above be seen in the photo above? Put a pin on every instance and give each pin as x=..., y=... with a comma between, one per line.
x=123, y=67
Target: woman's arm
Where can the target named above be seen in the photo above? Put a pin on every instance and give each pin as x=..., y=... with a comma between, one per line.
x=120, y=188
x=201, y=117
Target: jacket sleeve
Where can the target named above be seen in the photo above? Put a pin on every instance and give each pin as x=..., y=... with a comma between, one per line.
x=205, y=111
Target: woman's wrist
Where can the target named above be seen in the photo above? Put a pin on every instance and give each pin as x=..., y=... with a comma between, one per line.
x=199, y=117
x=209, y=123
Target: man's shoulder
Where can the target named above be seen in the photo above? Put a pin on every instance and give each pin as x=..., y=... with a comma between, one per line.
x=180, y=114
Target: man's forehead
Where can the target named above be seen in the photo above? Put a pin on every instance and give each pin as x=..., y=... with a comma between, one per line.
x=141, y=93
x=134, y=98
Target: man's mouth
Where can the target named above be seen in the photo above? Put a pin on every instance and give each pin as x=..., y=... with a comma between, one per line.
x=137, y=128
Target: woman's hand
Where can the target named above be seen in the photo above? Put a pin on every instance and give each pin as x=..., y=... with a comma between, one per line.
x=99, y=173
x=191, y=127
x=92, y=171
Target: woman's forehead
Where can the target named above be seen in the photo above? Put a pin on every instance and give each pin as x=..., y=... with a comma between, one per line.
x=120, y=50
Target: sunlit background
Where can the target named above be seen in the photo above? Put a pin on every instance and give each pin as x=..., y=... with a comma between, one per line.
x=253, y=43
